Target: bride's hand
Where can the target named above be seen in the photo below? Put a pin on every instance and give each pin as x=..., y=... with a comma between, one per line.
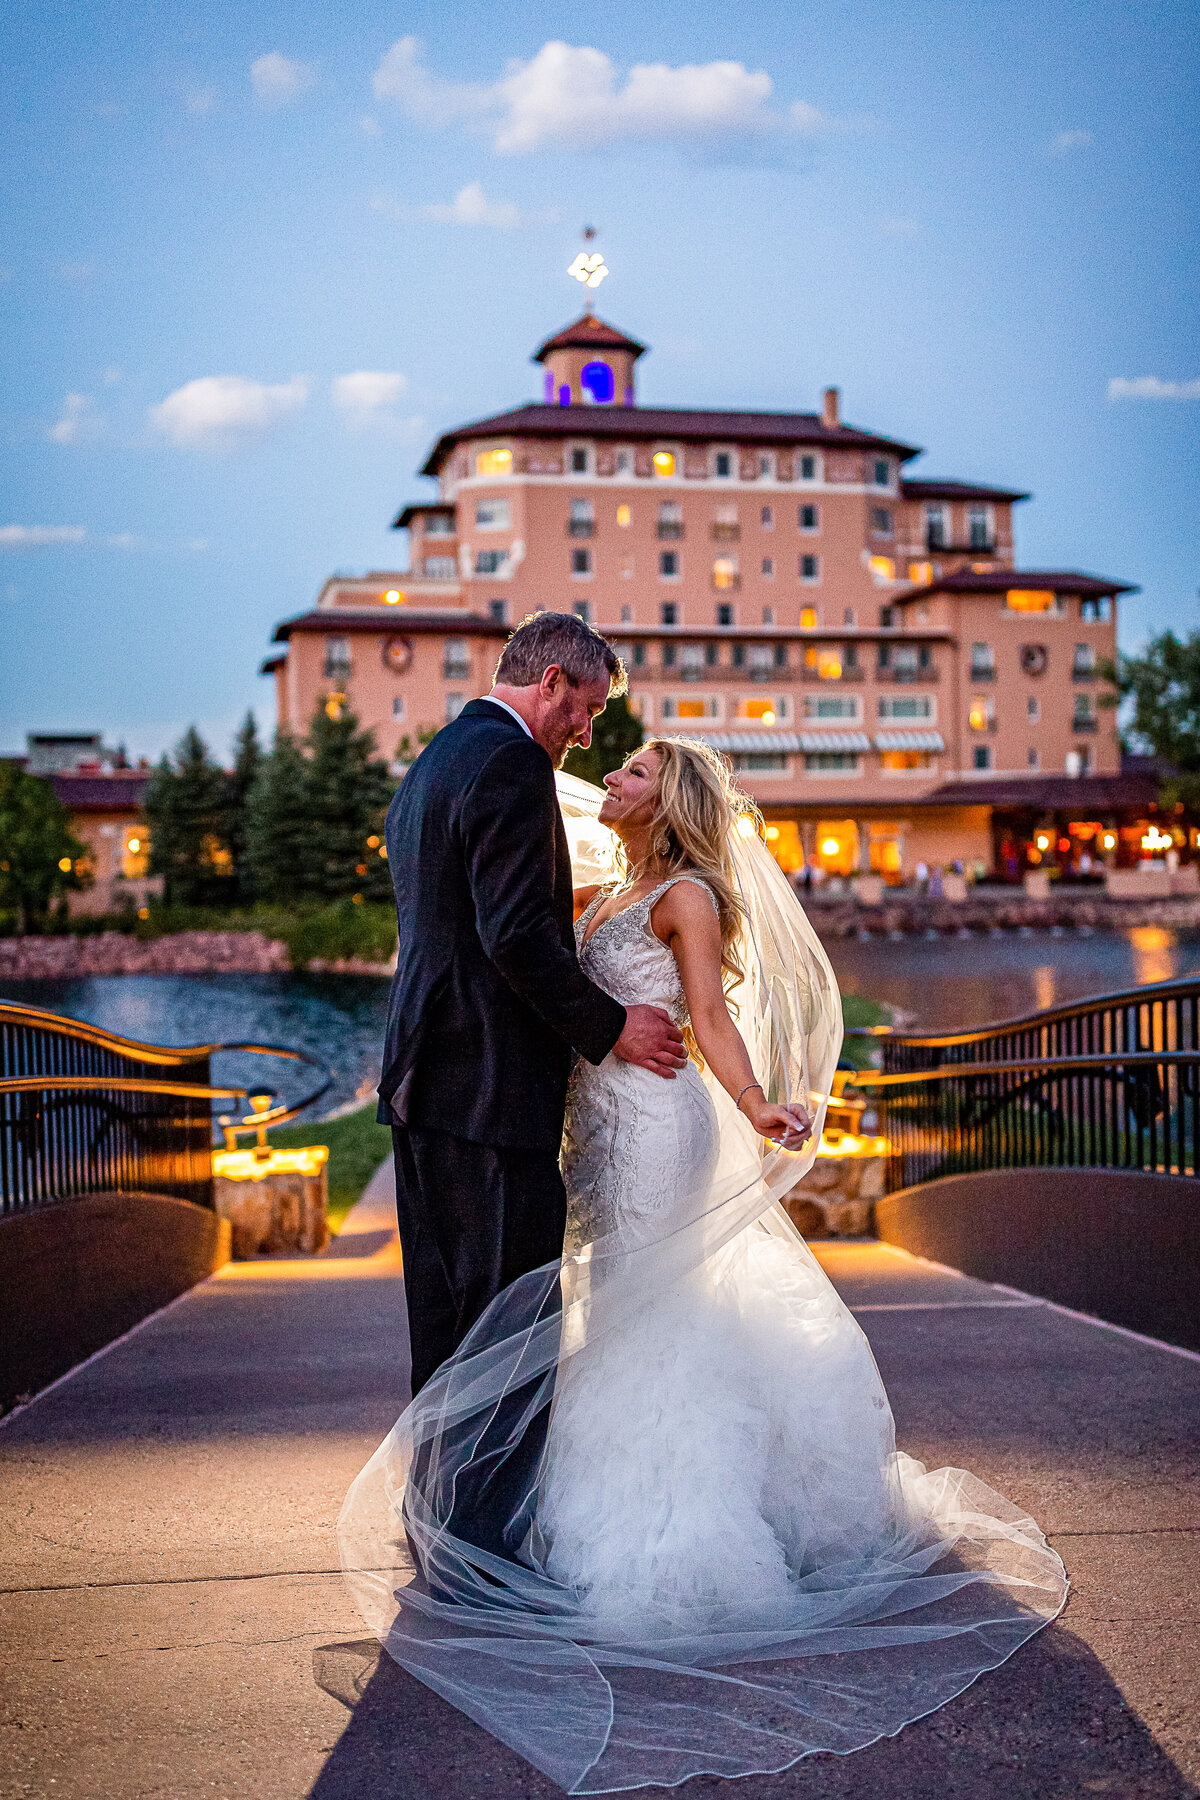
x=789, y=1126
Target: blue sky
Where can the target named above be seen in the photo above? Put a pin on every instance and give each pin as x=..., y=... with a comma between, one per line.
x=973, y=217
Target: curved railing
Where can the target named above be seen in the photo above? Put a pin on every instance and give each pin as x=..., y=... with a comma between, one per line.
x=1110, y=1082
x=83, y=1110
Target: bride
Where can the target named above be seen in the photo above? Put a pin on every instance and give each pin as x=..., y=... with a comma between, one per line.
x=722, y=1563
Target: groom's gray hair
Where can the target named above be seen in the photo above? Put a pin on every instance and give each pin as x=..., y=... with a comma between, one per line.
x=547, y=638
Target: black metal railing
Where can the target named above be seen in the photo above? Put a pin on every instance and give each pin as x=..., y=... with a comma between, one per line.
x=1110, y=1083
x=83, y=1111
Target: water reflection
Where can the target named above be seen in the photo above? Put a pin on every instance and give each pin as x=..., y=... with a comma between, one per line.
x=1152, y=947
x=1045, y=993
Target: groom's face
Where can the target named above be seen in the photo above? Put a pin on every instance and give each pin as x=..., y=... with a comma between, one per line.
x=567, y=712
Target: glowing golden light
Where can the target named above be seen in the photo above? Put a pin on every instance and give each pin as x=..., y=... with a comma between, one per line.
x=393, y=596
x=772, y=833
x=357, y=898
x=689, y=709
x=383, y=851
x=333, y=706
x=762, y=710
x=1042, y=841
x=591, y=270
x=1109, y=840
x=746, y=826
x=829, y=665
x=883, y=566
x=134, y=845
x=143, y=912
x=1154, y=839
x=848, y=1143
x=494, y=462
x=251, y=1165
x=829, y=847
x=624, y=516
x=808, y=619
x=64, y=863
x=978, y=717
x=372, y=843
x=768, y=717
x=1030, y=600
x=664, y=463
x=920, y=573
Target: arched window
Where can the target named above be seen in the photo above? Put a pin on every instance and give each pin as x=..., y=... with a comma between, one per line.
x=596, y=380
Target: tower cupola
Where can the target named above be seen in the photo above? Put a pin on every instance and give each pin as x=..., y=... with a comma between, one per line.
x=589, y=364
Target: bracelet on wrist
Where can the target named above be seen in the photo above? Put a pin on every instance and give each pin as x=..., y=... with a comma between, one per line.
x=749, y=1088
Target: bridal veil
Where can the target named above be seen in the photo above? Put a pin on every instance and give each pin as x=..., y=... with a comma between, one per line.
x=906, y=1584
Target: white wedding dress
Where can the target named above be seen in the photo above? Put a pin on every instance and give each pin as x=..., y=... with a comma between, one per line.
x=720, y=1562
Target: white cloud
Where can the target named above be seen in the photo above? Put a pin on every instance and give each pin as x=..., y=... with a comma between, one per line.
x=367, y=390
x=78, y=421
x=219, y=412
x=1150, y=387
x=1067, y=141
x=370, y=126
x=39, y=537
x=571, y=97
x=277, y=80
x=201, y=101
x=470, y=206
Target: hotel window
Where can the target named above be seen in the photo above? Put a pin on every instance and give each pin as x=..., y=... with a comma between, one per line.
x=808, y=618
x=979, y=529
x=831, y=707
x=627, y=614
x=905, y=706
x=920, y=573
x=738, y=653
x=668, y=613
x=1079, y=762
x=692, y=706
x=581, y=562
x=492, y=515
x=438, y=525
x=624, y=462
x=904, y=660
x=583, y=610
x=883, y=473
x=764, y=711
x=769, y=619
x=766, y=519
x=624, y=517
x=691, y=661
x=809, y=568
x=712, y=654
x=725, y=527
x=904, y=762
x=759, y=762
x=829, y=664
x=725, y=614
x=768, y=565
x=1084, y=718
x=489, y=562
x=848, y=615
x=809, y=518
x=498, y=610
x=582, y=518
x=725, y=572
x=766, y=467
x=670, y=519
x=639, y=656
x=723, y=465
x=981, y=714
x=886, y=617
x=1083, y=667
x=456, y=659
x=1035, y=761
x=883, y=568
x=1095, y=612
x=668, y=656
x=337, y=658
x=1033, y=600
x=663, y=463
x=440, y=568
x=668, y=565
x=983, y=663
x=579, y=461
x=882, y=523
x=935, y=527
x=494, y=462
x=397, y=706
x=981, y=756
x=1032, y=709
x=808, y=468
x=832, y=762
x=454, y=705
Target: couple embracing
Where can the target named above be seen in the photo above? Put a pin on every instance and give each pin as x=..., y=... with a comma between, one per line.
x=644, y=1516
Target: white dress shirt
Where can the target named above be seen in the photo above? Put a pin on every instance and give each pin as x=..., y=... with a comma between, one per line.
x=510, y=710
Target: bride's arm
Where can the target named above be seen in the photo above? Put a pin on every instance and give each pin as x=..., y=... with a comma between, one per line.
x=584, y=897
x=686, y=921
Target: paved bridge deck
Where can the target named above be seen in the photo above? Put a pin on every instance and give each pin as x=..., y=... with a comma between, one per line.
x=169, y=1575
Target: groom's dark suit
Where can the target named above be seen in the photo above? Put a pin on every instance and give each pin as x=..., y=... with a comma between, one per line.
x=487, y=1004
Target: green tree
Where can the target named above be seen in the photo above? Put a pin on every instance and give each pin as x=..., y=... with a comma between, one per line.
x=39, y=858
x=616, y=734
x=247, y=761
x=349, y=790
x=1164, y=685
x=187, y=807
x=278, y=822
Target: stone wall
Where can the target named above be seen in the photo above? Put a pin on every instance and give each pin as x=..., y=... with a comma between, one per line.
x=1005, y=909
x=115, y=953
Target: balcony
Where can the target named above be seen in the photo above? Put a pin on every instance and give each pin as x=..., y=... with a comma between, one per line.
x=983, y=672
x=1085, y=672
x=728, y=582
x=726, y=534
x=457, y=670
x=337, y=671
x=935, y=540
x=1085, y=722
x=581, y=528
x=906, y=674
x=670, y=528
x=849, y=672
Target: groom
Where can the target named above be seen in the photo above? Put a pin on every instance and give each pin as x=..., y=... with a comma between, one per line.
x=488, y=1001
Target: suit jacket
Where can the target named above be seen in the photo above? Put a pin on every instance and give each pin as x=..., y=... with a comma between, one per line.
x=488, y=999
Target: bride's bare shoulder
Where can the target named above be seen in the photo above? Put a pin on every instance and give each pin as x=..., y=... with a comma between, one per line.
x=688, y=907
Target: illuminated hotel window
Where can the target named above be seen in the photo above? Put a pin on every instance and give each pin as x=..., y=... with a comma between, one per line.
x=829, y=665
x=883, y=567
x=494, y=462
x=136, y=858
x=901, y=762
x=664, y=464
x=809, y=518
x=981, y=715
x=764, y=711
x=809, y=568
x=624, y=517
x=724, y=572
x=1030, y=600
x=693, y=706
x=920, y=573
x=808, y=618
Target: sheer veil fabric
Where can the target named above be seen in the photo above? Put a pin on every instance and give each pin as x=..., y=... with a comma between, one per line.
x=697, y=1391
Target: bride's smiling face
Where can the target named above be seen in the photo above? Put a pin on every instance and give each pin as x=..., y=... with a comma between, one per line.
x=632, y=794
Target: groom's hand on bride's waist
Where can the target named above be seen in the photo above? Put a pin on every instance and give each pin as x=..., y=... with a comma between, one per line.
x=651, y=1041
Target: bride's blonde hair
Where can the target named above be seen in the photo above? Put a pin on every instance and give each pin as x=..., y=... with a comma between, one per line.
x=699, y=808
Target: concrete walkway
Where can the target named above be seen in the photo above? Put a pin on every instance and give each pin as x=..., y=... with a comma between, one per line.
x=174, y=1624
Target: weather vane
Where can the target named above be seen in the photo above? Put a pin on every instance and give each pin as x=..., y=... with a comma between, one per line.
x=589, y=267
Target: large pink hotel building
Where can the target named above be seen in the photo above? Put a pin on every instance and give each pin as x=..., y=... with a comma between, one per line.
x=859, y=642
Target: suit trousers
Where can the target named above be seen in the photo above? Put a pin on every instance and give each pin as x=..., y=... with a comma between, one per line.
x=472, y=1218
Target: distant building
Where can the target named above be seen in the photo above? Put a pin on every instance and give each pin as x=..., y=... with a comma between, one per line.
x=103, y=799
x=886, y=682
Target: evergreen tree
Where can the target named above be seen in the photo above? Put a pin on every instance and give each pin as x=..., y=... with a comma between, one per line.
x=35, y=843
x=1164, y=686
x=187, y=807
x=247, y=761
x=278, y=823
x=349, y=791
x=616, y=734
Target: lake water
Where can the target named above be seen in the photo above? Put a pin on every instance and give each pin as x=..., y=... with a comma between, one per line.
x=940, y=983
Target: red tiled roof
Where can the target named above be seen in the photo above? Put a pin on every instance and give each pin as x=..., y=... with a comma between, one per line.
x=272, y=663
x=100, y=793
x=1083, y=795
x=955, y=490
x=415, y=507
x=338, y=620
x=588, y=332
x=998, y=581
x=635, y=423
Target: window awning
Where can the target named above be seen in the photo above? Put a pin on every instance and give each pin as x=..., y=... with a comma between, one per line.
x=744, y=740
x=834, y=740
x=909, y=740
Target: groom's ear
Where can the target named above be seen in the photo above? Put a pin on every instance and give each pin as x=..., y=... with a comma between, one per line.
x=554, y=679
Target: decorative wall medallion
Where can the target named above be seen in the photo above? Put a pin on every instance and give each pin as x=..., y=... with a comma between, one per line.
x=397, y=655
x=1034, y=659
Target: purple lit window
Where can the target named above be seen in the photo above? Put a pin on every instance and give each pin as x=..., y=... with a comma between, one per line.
x=596, y=379
x=564, y=395
x=549, y=387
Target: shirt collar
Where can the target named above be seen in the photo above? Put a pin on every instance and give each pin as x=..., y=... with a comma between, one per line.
x=510, y=710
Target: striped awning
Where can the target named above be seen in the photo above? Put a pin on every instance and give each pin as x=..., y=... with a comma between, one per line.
x=909, y=740
x=834, y=740
x=743, y=740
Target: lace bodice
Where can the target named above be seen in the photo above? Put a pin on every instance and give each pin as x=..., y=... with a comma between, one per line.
x=624, y=957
